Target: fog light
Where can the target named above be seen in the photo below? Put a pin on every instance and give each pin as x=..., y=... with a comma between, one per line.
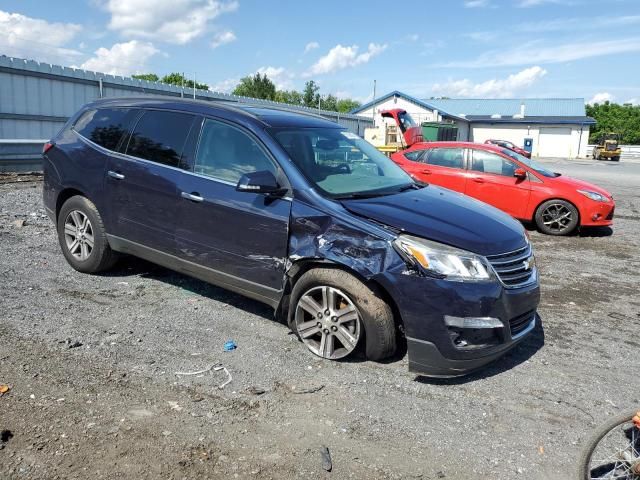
x=596, y=216
x=472, y=322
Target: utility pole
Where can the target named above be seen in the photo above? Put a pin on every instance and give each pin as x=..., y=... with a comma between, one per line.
x=194, y=86
x=373, y=108
x=182, y=92
x=319, y=98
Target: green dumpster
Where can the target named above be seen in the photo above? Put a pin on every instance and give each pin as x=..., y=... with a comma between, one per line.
x=439, y=132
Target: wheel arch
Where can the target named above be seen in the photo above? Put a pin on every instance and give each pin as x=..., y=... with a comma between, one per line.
x=303, y=265
x=65, y=195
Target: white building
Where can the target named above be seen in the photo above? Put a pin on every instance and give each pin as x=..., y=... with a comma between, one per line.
x=558, y=127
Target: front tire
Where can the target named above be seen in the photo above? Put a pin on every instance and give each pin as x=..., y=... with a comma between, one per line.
x=333, y=312
x=615, y=425
x=82, y=236
x=557, y=217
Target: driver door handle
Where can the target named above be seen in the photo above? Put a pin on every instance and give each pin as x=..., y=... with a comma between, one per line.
x=478, y=179
x=194, y=197
x=116, y=175
x=426, y=171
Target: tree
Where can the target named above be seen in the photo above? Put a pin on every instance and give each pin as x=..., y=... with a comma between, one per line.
x=180, y=80
x=256, y=86
x=330, y=102
x=151, y=77
x=310, y=94
x=345, y=105
x=611, y=117
x=292, y=97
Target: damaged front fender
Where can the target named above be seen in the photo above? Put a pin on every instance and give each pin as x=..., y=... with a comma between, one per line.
x=357, y=245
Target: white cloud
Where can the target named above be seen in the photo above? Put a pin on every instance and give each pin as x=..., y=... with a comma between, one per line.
x=311, y=46
x=340, y=57
x=223, y=38
x=225, y=86
x=536, y=3
x=37, y=39
x=172, y=21
x=535, y=52
x=476, y=3
x=282, y=78
x=481, y=36
x=601, y=98
x=122, y=58
x=496, y=88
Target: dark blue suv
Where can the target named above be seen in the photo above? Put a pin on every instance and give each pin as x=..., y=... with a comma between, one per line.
x=299, y=213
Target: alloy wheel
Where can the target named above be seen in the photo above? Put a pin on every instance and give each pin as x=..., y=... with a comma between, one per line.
x=78, y=235
x=557, y=217
x=328, y=322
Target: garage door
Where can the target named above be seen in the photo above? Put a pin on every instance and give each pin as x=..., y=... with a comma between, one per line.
x=554, y=142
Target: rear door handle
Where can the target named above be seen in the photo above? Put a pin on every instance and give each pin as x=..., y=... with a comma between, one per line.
x=194, y=197
x=426, y=171
x=477, y=179
x=116, y=175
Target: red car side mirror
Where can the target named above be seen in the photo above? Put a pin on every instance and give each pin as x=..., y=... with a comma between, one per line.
x=520, y=173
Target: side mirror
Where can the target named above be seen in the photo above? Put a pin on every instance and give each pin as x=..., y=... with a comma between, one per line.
x=260, y=182
x=520, y=173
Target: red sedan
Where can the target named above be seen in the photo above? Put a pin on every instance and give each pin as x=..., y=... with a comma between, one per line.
x=515, y=184
x=510, y=146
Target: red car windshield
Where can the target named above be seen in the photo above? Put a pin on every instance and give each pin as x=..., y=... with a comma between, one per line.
x=530, y=163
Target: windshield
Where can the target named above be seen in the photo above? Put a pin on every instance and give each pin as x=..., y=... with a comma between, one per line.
x=530, y=163
x=341, y=164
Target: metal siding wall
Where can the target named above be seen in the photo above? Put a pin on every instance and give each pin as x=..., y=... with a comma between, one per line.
x=43, y=90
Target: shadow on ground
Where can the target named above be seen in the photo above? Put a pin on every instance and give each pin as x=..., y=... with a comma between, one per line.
x=136, y=267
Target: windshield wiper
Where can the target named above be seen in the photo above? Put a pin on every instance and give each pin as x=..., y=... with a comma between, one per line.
x=384, y=193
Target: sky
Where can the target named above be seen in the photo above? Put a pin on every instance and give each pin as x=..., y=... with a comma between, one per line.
x=425, y=48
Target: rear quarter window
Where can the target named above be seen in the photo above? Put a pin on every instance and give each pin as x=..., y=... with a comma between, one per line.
x=160, y=136
x=105, y=126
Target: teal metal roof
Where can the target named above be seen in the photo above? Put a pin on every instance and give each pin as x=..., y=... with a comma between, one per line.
x=536, y=107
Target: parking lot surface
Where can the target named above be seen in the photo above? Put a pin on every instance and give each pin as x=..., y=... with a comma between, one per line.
x=91, y=362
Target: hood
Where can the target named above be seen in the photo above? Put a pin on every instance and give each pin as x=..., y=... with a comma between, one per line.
x=577, y=184
x=444, y=216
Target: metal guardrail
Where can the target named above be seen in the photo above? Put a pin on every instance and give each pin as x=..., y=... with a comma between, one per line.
x=21, y=155
x=629, y=152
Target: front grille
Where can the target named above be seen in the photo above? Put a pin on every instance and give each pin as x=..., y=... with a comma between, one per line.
x=521, y=322
x=515, y=269
x=610, y=216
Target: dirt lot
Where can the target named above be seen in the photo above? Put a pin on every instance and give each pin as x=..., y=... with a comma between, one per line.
x=91, y=361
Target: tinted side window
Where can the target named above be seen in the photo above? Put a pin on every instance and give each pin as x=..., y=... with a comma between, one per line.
x=105, y=126
x=446, y=157
x=227, y=153
x=414, y=156
x=160, y=137
x=488, y=162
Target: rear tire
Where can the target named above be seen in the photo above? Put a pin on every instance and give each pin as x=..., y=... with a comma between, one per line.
x=377, y=324
x=557, y=217
x=82, y=236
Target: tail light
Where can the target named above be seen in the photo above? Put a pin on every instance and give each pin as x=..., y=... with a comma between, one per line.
x=47, y=146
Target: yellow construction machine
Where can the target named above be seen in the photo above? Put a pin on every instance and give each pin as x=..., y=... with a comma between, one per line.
x=608, y=147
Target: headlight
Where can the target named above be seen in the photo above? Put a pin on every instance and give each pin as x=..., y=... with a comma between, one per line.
x=593, y=196
x=443, y=261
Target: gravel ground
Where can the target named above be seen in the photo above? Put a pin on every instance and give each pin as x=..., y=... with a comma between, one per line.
x=91, y=362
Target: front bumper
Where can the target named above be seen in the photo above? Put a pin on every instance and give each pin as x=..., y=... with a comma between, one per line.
x=436, y=349
x=426, y=359
x=599, y=214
